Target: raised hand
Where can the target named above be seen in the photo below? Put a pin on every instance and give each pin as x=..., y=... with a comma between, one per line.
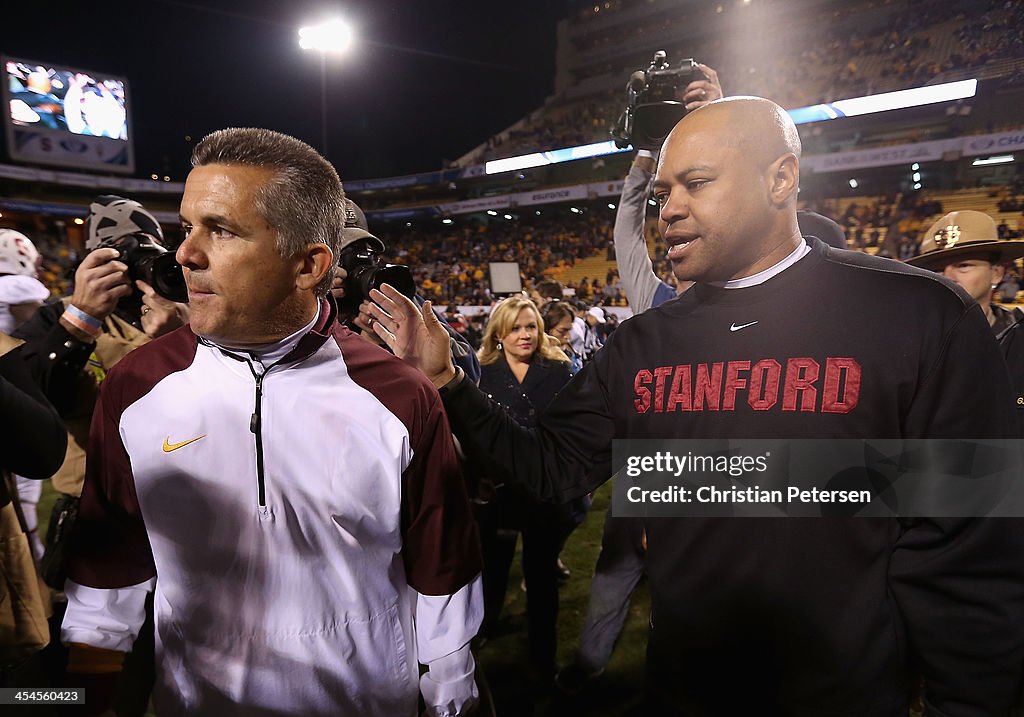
x=413, y=334
x=700, y=92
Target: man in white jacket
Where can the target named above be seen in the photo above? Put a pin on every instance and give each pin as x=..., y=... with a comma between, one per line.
x=291, y=491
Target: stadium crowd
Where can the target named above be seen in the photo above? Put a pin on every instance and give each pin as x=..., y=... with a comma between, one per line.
x=901, y=49
x=450, y=262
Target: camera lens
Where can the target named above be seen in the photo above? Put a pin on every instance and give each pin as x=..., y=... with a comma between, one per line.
x=167, y=278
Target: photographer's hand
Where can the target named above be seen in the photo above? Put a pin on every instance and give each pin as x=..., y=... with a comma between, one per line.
x=338, y=283
x=364, y=322
x=413, y=334
x=100, y=282
x=700, y=92
x=160, y=315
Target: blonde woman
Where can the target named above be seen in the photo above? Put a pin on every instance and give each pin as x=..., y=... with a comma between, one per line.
x=522, y=369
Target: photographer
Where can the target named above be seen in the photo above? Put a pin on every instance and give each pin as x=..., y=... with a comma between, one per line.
x=72, y=343
x=644, y=288
x=360, y=264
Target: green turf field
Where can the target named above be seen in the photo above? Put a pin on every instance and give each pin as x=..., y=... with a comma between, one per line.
x=505, y=657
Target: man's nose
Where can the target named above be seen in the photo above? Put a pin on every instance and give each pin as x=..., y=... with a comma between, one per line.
x=190, y=253
x=675, y=207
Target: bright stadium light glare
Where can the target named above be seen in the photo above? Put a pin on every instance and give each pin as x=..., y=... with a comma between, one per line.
x=901, y=99
x=331, y=36
x=611, y=206
x=917, y=185
x=492, y=212
x=800, y=115
x=915, y=166
x=854, y=184
x=509, y=164
x=446, y=221
x=916, y=177
x=997, y=159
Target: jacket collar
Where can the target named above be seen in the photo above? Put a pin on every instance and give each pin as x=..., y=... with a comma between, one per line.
x=310, y=342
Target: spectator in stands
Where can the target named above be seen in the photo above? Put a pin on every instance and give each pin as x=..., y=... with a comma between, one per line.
x=308, y=546
x=762, y=609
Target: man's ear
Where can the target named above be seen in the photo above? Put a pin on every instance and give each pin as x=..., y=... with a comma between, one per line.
x=784, y=178
x=316, y=262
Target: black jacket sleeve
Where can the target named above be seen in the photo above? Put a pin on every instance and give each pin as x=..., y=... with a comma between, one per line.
x=34, y=440
x=569, y=453
x=959, y=582
x=55, y=357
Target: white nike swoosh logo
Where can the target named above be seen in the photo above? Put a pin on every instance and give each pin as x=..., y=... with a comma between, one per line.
x=734, y=327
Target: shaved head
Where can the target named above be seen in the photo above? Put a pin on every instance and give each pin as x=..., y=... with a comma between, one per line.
x=758, y=127
x=727, y=185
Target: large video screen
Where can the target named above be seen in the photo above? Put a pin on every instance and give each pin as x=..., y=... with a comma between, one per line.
x=66, y=116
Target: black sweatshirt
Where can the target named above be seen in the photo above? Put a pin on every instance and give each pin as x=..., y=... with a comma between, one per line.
x=802, y=617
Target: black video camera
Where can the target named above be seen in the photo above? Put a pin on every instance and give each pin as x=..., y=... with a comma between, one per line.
x=652, y=109
x=366, y=270
x=152, y=263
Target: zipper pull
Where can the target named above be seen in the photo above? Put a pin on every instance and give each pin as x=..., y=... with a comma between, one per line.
x=254, y=421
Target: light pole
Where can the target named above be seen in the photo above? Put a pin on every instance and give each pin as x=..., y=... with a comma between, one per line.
x=333, y=36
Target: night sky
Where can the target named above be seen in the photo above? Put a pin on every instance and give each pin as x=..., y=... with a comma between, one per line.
x=428, y=81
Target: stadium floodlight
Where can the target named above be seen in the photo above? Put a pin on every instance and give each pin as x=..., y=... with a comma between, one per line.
x=334, y=36
x=446, y=221
x=854, y=184
x=916, y=177
x=997, y=159
x=915, y=166
x=331, y=36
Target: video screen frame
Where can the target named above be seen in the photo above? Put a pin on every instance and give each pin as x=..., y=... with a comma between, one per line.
x=82, y=118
